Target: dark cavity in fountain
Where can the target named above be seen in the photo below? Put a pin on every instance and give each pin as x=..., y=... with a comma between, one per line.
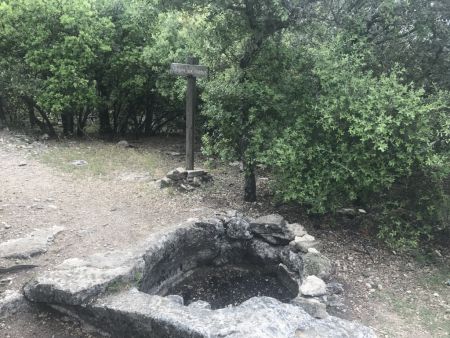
x=230, y=285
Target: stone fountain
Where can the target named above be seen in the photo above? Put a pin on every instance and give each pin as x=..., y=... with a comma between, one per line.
x=226, y=276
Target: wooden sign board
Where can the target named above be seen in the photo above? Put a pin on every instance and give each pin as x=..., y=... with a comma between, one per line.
x=188, y=70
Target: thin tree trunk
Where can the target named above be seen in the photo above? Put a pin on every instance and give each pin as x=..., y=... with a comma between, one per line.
x=105, y=122
x=249, y=183
x=67, y=123
x=2, y=111
x=47, y=123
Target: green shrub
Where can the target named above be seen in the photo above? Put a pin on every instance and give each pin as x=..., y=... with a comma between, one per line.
x=362, y=137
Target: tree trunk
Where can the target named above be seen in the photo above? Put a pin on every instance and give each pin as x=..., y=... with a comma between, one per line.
x=47, y=124
x=105, y=122
x=2, y=111
x=34, y=120
x=67, y=123
x=249, y=183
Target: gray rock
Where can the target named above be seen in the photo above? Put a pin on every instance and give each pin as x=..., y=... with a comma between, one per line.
x=34, y=244
x=313, y=286
x=304, y=243
x=200, y=304
x=196, y=182
x=185, y=187
x=11, y=302
x=335, y=305
x=76, y=281
x=238, y=228
x=177, y=174
x=165, y=182
x=288, y=279
x=123, y=144
x=292, y=260
x=79, y=163
x=316, y=264
x=296, y=229
x=262, y=252
x=273, y=229
x=312, y=306
x=136, y=314
x=44, y=137
x=195, y=173
x=347, y=211
x=176, y=299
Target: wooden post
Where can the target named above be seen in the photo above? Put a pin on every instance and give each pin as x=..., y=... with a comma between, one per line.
x=190, y=115
x=191, y=70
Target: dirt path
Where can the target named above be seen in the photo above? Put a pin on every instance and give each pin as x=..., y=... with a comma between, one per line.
x=97, y=215
x=103, y=213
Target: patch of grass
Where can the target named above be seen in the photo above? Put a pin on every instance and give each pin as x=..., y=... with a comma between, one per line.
x=423, y=308
x=102, y=159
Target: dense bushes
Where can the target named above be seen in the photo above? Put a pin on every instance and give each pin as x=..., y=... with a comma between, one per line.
x=364, y=137
x=78, y=61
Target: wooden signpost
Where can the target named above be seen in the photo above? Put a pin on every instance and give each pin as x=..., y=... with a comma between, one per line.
x=191, y=70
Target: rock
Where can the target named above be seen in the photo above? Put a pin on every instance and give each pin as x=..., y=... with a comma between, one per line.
x=335, y=288
x=288, y=279
x=292, y=260
x=256, y=317
x=196, y=182
x=123, y=144
x=362, y=211
x=176, y=299
x=165, y=182
x=273, y=229
x=177, y=174
x=335, y=305
x=44, y=137
x=347, y=211
x=313, y=251
x=200, y=304
x=77, y=281
x=317, y=265
x=311, y=306
x=313, y=286
x=11, y=302
x=296, y=229
x=262, y=252
x=238, y=228
x=185, y=187
x=34, y=244
x=6, y=225
x=304, y=243
x=79, y=163
x=195, y=173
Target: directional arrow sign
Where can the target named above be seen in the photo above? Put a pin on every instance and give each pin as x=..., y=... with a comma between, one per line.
x=184, y=69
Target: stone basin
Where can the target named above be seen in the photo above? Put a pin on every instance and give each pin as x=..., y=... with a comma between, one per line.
x=218, y=277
